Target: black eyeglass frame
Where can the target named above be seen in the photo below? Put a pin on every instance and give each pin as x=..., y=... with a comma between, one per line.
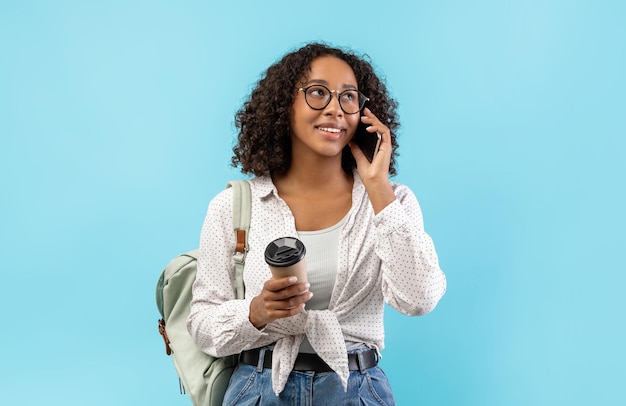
x=330, y=92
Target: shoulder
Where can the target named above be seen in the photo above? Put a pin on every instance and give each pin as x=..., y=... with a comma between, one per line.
x=223, y=198
x=259, y=187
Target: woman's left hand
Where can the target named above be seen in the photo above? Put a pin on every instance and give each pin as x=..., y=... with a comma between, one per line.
x=375, y=174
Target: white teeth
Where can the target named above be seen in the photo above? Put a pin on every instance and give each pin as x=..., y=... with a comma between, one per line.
x=331, y=130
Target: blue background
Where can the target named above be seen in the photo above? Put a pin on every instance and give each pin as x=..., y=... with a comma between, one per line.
x=116, y=124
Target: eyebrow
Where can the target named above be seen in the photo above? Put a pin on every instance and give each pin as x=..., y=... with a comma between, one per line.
x=325, y=83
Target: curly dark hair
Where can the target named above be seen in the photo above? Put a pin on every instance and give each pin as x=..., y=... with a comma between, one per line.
x=264, y=140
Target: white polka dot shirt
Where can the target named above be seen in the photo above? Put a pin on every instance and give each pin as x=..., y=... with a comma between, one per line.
x=381, y=258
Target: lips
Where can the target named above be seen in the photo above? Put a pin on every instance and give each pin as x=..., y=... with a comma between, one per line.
x=330, y=129
x=331, y=133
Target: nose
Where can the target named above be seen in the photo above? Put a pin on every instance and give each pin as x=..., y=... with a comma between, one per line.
x=333, y=106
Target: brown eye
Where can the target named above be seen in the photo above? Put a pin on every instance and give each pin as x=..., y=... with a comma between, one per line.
x=318, y=92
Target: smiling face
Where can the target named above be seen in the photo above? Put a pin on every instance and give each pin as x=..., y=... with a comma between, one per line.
x=323, y=133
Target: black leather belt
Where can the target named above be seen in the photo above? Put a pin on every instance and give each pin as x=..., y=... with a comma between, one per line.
x=312, y=362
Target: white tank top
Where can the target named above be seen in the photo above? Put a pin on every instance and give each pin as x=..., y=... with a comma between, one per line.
x=321, y=265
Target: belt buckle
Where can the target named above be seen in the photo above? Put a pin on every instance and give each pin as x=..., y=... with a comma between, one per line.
x=361, y=361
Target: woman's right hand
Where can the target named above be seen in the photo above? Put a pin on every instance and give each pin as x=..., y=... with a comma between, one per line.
x=283, y=297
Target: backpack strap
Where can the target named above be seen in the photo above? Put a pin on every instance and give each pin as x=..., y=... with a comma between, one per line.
x=242, y=208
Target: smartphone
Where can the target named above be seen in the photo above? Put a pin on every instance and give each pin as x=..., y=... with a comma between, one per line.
x=368, y=142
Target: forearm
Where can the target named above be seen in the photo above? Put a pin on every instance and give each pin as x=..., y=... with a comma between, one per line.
x=380, y=194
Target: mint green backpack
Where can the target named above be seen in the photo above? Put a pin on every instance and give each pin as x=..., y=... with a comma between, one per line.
x=203, y=377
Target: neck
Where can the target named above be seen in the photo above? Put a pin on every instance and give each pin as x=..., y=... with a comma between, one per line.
x=314, y=177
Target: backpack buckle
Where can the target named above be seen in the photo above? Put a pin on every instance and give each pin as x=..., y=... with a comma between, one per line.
x=240, y=257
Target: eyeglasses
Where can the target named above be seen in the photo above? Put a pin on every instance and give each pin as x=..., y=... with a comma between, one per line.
x=318, y=97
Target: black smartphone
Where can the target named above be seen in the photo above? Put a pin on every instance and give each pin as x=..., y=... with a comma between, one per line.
x=368, y=142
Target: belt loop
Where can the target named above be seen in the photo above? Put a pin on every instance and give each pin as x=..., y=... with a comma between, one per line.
x=360, y=362
x=259, y=365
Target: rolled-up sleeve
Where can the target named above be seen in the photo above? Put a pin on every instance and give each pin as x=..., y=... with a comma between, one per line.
x=412, y=281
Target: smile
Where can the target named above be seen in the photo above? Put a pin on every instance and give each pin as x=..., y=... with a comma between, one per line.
x=330, y=130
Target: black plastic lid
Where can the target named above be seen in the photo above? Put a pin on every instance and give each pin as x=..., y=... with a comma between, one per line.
x=284, y=251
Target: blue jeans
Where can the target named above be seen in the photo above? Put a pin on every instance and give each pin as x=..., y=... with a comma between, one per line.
x=252, y=385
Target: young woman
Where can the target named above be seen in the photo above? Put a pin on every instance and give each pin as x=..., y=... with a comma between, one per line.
x=314, y=342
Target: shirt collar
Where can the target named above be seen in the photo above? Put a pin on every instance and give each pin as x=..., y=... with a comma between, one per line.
x=264, y=186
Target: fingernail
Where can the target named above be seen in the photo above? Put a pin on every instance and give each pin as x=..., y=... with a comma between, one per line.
x=310, y=295
x=292, y=279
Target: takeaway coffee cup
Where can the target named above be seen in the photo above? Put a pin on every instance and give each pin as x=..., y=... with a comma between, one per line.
x=285, y=258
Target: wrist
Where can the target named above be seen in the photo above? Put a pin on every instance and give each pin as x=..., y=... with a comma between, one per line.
x=256, y=321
